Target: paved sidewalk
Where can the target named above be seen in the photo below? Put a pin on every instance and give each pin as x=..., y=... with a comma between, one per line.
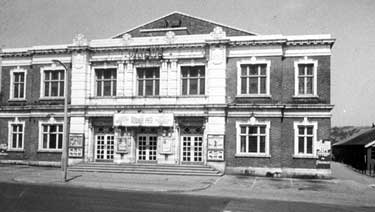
x=342, y=190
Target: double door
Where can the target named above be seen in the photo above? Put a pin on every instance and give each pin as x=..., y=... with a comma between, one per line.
x=104, y=147
x=192, y=148
x=147, y=147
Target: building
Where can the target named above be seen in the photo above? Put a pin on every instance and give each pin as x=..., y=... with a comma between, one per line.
x=176, y=90
x=357, y=151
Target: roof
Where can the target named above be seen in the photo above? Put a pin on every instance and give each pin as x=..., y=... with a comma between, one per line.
x=360, y=139
x=181, y=24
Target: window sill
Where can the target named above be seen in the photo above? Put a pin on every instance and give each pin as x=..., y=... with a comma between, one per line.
x=305, y=156
x=306, y=97
x=252, y=155
x=15, y=150
x=268, y=96
x=17, y=100
x=49, y=151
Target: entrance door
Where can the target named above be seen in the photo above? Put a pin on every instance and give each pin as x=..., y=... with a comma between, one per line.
x=147, y=145
x=104, y=147
x=192, y=148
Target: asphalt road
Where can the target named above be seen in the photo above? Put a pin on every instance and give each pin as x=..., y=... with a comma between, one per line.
x=28, y=197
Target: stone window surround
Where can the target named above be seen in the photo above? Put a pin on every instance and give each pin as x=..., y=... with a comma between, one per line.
x=52, y=67
x=179, y=76
x=305, y=60
x=11, y=90
x=305, y=122
x=10, y=123
x=51, y=121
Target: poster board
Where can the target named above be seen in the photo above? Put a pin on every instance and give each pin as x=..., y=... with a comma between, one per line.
x=215, y=147
x=76, y=145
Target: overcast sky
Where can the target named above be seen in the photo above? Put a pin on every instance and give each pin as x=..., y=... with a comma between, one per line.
x=41, y=22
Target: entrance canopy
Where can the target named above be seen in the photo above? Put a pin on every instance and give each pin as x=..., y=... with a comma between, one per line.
x=143, y=119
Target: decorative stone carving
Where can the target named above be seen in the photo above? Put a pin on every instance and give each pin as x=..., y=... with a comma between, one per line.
x=79, y=40
x=218, y=33
x=169, y=37
x=126, y=38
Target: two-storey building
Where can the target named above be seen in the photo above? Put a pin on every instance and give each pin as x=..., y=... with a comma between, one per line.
x=176, y=90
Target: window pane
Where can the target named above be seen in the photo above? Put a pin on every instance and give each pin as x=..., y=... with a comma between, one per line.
x=21, y=95
x=46, y=89
x=202, y=71
x=52, y=141
x=61, y=89
x=60, y=127
x=16, y=94
x=99, y=88
x=263, y=85
x=309, y=145
x=53, y=128
x=107, y=74
x=14, y=140
x=194, y=72
x=301, y=145
x=14, y=128
x=114, y=88
x=184, y=71
x=55, y=75
x=156, y=87
x=253, y=146
x=107, y=88
x=253, y=88
x=253, y=130
x=243, y=85
x=140, y=87
x=54, y=88
x=61, y=75
x=184, y=87
x=301, y=130
x=243, y=130
x=20, y=140
x=263, y=69
x=243, y=144
x=309, y=68
x=45, y=146
x=243, y=70
x=301, y=69
x=262, y=129
x=309, y=130
x=201, y=88
x=60, y=141
x=140, y=73
x=156, y=70
x=253, y=70
x=149, y=87
x=193, y=86
x=20, y=128
x=149, y=73
x=301, y=85
x=45, y=128
x=262, y=144
x=47, y=75
x=309, y=85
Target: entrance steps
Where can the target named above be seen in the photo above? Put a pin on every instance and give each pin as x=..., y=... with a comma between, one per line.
x=160, y=169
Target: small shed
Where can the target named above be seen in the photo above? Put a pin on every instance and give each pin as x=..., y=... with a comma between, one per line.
x=357, y=151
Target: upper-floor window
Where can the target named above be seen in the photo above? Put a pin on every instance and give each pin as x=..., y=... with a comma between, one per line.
x=16, y=135
x=305, y=136
x=253, y=78
x=148, y=80
x=253, y=138
x=305, y=77
x=53, y=81
x=193, y=80
x=106, y=82
x=51, y=136
x=18, y=84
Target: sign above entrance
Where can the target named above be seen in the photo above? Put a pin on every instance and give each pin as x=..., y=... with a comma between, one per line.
x=143, y=119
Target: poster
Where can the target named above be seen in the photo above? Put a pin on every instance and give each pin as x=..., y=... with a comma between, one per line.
x=124, y=144
x=166, y=146
x=75, y=145
x=215, y=147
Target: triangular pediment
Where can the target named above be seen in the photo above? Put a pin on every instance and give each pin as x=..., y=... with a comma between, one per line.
x=181, y=24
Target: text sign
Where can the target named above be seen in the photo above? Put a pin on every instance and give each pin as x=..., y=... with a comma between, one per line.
x=215, y=147
x=76, y=143
x=143, y=119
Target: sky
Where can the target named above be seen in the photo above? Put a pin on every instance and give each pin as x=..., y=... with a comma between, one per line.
x=26, y=23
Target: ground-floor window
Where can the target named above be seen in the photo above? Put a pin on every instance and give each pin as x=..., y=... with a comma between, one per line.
x=16, y=135
x=51, y=136
x=253, y=138
x=305, y=136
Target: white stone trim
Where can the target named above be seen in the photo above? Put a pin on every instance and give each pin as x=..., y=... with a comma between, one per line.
x=10, y=123
x=11, y=90
x=40, y=135
x=305, y=60
x=252, y=121
x=254, y=60
x=52, y=67
x=305, y=122
x=16, y=62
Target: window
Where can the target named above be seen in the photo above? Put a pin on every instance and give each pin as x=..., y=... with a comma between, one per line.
x=105, y=82
x=305, y=76
x=305, y=138
x=18, y=84
x=253, y=78
x=253, y=138
x=193, y=80
x=53, y=83
x=15, y=138
x=51, y=136
x=148, y=81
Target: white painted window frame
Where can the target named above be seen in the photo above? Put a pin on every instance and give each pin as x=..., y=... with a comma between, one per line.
x=254, y=61
x=52, y=67
x=11, y=93
x=252, y=122
x=10, y=135
x=93, y=79
x=305, y=123
x=152, y=65
x=179, y=77
x=306, y=61
x=51, y=121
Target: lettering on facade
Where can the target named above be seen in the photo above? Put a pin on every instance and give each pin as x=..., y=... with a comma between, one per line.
x=147, y=120
x=146, y=54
